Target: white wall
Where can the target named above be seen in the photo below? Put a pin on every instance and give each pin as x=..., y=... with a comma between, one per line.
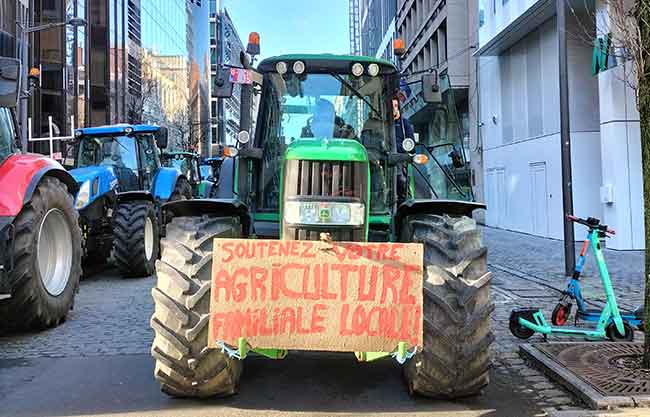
x=621, y=168
x=518, y=145
x=499, y=19
x=515, y=207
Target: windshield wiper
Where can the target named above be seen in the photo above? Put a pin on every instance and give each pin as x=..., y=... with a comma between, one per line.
x=355, y=91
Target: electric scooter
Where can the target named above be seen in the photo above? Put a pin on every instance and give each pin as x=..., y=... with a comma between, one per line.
x=611, y=324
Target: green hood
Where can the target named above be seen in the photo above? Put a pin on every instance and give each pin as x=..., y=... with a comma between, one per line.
x=327, y=150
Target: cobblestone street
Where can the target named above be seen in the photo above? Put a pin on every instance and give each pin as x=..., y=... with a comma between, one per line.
x=111, y=316
x=528, y=271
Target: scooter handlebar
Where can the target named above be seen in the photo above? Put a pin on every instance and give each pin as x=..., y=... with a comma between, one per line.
x=592, y=223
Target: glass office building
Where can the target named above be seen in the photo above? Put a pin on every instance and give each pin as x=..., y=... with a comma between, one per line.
x=135, y=61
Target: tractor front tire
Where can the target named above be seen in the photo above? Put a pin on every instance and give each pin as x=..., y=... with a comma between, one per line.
x=185, y=367
x=47, y=260
x=455, y=359
x=182, y=190
x=136, y=238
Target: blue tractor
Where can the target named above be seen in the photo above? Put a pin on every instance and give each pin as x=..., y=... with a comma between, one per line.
x=121, y=187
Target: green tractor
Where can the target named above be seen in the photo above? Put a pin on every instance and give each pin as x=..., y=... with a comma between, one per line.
x=190, y=165
x=325, y=136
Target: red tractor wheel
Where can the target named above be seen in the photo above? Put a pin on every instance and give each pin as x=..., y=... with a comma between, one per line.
x=561, y=314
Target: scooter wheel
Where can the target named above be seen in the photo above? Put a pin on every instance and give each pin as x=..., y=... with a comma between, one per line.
x=520, y=331
x=561, y=314
x=615, y=336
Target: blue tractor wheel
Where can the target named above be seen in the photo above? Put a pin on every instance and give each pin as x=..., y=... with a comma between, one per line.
x=136, y=238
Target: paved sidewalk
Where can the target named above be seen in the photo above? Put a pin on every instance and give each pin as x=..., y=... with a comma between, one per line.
x=528, y=271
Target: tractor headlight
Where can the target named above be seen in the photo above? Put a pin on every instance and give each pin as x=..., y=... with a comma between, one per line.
x=330, y=213
x=357, y=70
x=298, y=67
x=281, y=67
x=373, y=70
x=83, y=196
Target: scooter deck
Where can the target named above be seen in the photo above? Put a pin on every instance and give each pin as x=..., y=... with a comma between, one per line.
x=596, y=313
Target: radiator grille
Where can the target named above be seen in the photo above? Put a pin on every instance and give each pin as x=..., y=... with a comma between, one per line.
x=327, y=179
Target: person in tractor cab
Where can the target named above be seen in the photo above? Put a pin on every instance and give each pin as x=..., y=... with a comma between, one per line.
x=325, y=123
x=403, y=130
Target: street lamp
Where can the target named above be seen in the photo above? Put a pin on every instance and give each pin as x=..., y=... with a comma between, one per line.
x=24, y=31
x=73, y=21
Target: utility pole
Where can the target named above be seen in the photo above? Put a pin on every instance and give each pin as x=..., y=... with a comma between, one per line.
x=565, y=137
x=22, y=23
x=220, y=55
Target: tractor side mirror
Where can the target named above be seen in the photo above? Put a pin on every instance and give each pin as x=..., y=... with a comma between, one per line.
x=430, y=88
x=221, y=84
x=161, y=137
x=9, y=75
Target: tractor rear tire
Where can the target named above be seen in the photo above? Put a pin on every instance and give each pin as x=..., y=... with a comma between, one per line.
x=182, y=190
x=136, y=239
x=45, y=278
x=455, y=359
x=185, y=367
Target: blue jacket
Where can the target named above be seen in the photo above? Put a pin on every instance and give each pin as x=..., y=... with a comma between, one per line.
x=403, y=129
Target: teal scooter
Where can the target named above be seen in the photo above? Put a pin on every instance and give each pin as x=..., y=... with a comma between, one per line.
x=610, y=323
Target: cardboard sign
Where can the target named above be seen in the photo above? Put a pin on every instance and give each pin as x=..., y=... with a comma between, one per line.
x=313, y=295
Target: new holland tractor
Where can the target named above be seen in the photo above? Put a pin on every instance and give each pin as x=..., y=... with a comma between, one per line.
x=323, y=164
x=40, y=240
x=121, y=186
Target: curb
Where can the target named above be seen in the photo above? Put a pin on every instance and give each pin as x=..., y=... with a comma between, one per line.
x=585, y=392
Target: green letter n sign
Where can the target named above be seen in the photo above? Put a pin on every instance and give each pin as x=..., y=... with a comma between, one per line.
x=600, y=55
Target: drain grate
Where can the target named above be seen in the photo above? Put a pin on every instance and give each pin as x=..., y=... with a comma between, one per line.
x=610, y=368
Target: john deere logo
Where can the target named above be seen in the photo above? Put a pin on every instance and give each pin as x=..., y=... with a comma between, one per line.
x=324, y=213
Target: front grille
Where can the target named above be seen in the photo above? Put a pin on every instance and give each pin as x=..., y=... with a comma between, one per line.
x=326, y=180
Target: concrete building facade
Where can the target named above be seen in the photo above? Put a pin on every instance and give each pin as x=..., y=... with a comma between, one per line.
x=435, y=33
x=518, y=124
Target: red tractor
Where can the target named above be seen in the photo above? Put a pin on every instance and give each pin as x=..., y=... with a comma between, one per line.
x=40, y=238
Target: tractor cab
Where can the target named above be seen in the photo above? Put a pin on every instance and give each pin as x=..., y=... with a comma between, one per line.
x=124, y=153
x=7, y=133
x=328, y=109
x=326, y=133
x=8, y=97
x=186, y=162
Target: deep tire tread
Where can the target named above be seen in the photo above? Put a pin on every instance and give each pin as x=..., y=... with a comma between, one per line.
x=184, y=365
x=455, y=361
x=128, y=239
x=31, y=307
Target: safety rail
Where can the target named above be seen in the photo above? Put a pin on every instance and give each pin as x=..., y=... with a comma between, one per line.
x=51, y=138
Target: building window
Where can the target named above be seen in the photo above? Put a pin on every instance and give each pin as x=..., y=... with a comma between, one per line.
x=481, y=13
